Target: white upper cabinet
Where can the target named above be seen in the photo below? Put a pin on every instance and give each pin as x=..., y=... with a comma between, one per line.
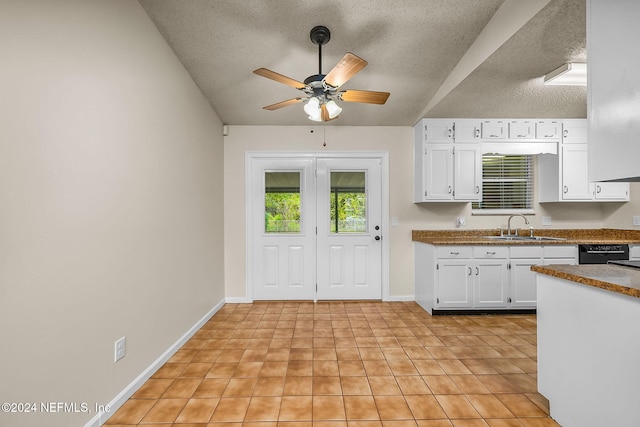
x=565, y=177
x=467, y=131
x=574, y=131
x=494, y=129
x=447, y=161
x=548, y=129
x=434, y=131
x=521, y=129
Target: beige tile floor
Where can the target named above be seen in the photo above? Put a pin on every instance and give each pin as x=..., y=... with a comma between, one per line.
x=346, y=364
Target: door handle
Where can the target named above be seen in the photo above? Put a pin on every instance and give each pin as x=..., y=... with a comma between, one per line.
x=377, y=237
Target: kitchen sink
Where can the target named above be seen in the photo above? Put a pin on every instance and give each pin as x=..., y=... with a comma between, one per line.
x=524, y=238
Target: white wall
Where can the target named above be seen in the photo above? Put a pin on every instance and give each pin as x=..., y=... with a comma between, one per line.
x=111, y=221
x=398, y=142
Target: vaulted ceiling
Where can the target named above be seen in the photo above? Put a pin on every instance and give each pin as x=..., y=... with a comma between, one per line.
x=438, y=58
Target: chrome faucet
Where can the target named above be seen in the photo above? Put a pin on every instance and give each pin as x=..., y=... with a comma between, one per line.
x=526, y=221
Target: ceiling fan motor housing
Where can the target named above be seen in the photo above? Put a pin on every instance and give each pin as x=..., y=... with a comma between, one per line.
x=320, y=35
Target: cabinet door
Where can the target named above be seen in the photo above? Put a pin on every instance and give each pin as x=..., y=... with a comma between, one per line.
x=438, y=131
x=612, y=191
x=523, y=282
x=467, y=131
x=494, y=129
x=468, y=173
x=453, y=288
x=438, y=172
x=490, y=283
x=575, y=178
x=574, y=131
x=521, y=129
x=548, y=129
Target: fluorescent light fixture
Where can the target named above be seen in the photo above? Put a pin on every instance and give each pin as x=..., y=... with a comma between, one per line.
x=569, y=74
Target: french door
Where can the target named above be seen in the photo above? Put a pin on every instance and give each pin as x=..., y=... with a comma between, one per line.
x=316, y=228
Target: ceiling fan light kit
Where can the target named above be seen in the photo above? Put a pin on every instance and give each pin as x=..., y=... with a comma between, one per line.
x=323, y=90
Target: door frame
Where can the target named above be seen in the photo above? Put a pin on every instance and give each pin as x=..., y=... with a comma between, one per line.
x=274, y=155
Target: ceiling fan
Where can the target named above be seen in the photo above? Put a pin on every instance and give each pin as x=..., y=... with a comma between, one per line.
x=322, y=90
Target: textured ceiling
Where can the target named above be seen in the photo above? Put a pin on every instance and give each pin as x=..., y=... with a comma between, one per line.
x=412, y=47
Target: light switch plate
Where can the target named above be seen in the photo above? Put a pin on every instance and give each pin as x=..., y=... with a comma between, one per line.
x=546, y=220
x=636, y=220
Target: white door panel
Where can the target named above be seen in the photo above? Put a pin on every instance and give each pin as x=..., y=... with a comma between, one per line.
x=324, y=252
x=283, y=249
x=349, y=255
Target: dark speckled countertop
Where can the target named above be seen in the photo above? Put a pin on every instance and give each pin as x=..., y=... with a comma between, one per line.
x=571, y=236
x=614, y=278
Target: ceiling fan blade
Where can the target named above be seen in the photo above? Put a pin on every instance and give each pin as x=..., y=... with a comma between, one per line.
x=283, y=104
x=366, y=96
x=324, y=113
x=279, y=78
x=346, y=68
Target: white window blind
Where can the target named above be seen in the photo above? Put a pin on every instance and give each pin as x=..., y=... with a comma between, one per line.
x=507, y=183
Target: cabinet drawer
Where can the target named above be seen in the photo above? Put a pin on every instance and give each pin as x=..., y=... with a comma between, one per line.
x=454, y=252
x=559, y=251
x=634, y=251
x=525, y=252
x=491, y=252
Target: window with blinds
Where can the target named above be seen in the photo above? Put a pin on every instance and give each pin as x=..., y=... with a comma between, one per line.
x=507, y=183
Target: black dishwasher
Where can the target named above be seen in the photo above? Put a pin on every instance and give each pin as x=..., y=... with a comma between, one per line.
x=602, y=254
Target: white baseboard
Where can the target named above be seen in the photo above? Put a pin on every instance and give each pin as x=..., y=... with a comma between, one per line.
x=102, y=417
x=237, y=300
x=401, y=298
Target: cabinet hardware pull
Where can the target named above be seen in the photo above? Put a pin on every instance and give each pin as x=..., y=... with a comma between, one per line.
x=477, y=271
x=566, y=133
x=490, y=253
x=509, y=299
x=477, y=190
x=454, y=253
x=477, y=133
x=548, y=136
x=521, y=136
x=450, y=133
x=469, y=270
x=493, y=136
x=449, y=189
x=566, y=189
x=598, y=189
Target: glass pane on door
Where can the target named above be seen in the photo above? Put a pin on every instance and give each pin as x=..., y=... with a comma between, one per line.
x=282, y=202
x=348, y=202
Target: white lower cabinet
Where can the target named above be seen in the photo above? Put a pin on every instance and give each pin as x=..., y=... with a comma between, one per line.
x=491, y=279
x=522, y=279
x=482, y=277
x=454, y=278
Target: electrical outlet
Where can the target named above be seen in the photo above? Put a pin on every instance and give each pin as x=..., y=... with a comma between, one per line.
x=120, y=349
x=546, y=220
x=460, y=221
x=636, y=220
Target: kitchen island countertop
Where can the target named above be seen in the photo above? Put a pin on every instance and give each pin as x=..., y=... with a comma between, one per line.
x=614, y=278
